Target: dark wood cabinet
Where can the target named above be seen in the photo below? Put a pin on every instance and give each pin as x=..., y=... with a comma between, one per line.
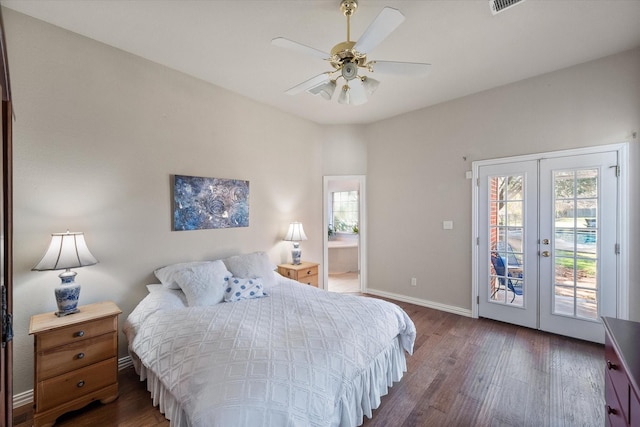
x=622, y=372
x=6, y=240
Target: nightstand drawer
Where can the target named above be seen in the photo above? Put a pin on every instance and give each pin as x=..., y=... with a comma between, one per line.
x=76, y=355
x=77, y=332
x=75, y=384
x=307, y=272
x=310, y=280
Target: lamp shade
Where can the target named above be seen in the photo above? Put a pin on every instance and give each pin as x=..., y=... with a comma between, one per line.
x=295, y=232
x=66, y=250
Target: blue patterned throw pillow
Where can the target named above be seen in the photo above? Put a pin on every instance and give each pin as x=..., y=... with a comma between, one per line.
x=238, y=289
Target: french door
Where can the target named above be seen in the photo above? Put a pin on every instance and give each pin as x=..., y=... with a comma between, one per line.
x=547, y=242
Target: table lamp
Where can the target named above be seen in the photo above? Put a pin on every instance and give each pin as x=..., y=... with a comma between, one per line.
x=66, y=251
x=295, y=234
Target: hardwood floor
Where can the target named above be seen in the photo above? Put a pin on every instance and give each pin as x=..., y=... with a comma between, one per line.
x=464, y=372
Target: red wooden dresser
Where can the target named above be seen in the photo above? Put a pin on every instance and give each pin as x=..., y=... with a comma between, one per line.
x=622, y=372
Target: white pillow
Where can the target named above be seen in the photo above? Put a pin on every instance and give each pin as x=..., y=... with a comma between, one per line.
x=252, y=266
x=239, y=289
x=204, y=284
x=160, y=288
x=166, y=275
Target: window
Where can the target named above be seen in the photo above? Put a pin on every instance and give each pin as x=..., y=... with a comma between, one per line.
x=344, y=215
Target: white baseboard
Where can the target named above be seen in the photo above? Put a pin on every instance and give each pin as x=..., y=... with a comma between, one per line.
x=421, y=302
x=23, y=399
x=124, y=363
x=26, y=397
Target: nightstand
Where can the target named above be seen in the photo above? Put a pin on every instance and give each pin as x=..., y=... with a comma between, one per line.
x=75, y=360
x=305, y=272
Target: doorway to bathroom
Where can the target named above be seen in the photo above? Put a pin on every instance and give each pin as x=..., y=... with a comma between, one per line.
x=345, y=233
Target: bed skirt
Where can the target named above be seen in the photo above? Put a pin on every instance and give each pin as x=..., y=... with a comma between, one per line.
x=359, y=398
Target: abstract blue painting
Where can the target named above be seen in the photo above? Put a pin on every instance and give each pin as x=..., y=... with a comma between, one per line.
x=201, y=203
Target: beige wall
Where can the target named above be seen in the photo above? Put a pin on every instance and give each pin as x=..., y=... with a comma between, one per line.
x=98, y=133
x=419, y=180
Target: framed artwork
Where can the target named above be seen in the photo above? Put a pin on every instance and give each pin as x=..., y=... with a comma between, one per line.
x=201, y=203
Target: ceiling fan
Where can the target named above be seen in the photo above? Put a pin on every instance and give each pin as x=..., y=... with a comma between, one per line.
x=349, y=58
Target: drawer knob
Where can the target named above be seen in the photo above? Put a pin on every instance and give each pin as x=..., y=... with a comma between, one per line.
x=611, y=366
x=309, y=272
x=80, y=356
x=611, y=411
x=80, y=334
x=80, y=384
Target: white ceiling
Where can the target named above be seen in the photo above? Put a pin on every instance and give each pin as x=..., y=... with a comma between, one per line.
x=227, y=43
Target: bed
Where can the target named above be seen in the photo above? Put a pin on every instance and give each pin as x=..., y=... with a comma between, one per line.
x=264, y=350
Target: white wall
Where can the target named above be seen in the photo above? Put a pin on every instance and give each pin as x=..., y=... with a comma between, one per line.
x=99, y=132
x=344, y=150
x=419, y=180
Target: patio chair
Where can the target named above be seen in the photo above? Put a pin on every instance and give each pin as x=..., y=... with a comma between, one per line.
x=506, y=280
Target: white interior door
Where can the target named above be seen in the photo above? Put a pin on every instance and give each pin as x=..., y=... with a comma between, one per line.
x=547, y=242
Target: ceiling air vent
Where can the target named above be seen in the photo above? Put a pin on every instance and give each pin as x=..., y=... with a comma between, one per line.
x=498, y=6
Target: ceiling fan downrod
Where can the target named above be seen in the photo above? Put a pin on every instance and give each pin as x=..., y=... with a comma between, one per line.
x=343, y=54
x=348, y=8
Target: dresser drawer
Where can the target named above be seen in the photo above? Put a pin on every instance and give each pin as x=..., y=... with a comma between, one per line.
x=76, y=355
x=75, y=384
x=74, y=333
x=613, y=409
x=634, y=409
x=617, y=375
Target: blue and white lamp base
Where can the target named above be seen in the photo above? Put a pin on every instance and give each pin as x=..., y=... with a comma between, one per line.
x=296, y=253
x=67, y=294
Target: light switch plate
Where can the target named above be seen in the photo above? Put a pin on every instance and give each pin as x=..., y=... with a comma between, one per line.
x=447, y=225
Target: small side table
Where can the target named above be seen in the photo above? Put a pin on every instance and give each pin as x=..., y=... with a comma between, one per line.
x=305, y=272
x=75, y=360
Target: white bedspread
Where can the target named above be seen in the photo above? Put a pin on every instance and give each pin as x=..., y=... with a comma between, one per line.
x=299, y=357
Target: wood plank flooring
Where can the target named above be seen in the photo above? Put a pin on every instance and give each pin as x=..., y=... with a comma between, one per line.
x=464, y=372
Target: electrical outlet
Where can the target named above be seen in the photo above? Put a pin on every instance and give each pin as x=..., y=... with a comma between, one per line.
x=413, y=281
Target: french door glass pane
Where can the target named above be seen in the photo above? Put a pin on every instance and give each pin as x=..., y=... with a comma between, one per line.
x=506, y=228
x=575, y=243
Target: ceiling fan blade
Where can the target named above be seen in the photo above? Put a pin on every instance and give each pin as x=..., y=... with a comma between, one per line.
x=384, y=24
x=402, y=68
x=309, y=84
x=299, y=47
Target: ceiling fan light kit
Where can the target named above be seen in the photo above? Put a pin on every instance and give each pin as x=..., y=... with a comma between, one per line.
x=349, y=58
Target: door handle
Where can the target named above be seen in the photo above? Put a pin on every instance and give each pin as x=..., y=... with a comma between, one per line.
x=545, y=241
x=546, y=254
